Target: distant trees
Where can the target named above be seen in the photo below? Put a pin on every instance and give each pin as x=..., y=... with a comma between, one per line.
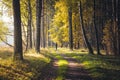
x=93, y=25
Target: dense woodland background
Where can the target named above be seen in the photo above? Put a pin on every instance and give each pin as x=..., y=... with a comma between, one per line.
x=93, y=25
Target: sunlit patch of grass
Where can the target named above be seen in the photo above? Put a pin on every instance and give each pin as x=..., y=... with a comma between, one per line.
x=101, y=67
x=62, y=68
x=28, y=69
x=58, y=57
x=62, y=64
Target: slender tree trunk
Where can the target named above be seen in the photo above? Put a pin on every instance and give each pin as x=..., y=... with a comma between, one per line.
x=56, y=46
x=38, y=23
x=29, y=28
x=118, y=12
x=18, y=51
x=48, y=31
x=33, y=33
x=43, y=24
x=96, y=32
x=70, y=29
x=83, y=30
x=24, y=33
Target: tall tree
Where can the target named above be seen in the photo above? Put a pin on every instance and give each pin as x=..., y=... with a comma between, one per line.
x=96, y=30
x=18, y=53
x=70, y=28
x=118, y=12
x=83, y=30
x=29, y=28
x=38, y=24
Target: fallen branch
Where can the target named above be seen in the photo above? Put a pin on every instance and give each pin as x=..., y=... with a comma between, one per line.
x=6, y=42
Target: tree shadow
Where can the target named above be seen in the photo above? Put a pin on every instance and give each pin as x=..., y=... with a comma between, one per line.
x=104, y=74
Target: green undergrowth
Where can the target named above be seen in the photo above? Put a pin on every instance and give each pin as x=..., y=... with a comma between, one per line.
x=101, y=67
x=28, y=69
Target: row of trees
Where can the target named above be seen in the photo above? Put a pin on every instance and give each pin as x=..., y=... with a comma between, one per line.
x=90, y=23
x=66, y=23
x=18, y=50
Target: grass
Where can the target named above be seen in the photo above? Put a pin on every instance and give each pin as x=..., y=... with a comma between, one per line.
x=61, y=62
x=29, y=69
x=101, y=67
x=62, y=68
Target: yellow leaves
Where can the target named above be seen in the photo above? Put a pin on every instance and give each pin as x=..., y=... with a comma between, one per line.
x=61, y=4
x=59, y=29
x=29, y=68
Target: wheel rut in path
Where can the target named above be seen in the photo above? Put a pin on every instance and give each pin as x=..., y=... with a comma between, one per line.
x=50, y=72
x=75, y=70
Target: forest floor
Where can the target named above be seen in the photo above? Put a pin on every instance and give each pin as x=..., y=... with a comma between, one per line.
x=78, y=65
x=65, y=68
x=28, y=69
x=62, y=64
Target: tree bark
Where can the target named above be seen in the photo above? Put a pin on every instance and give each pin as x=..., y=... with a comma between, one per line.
x=118, y=14
x=70, y=29
x=38, y=24
x=18, y=51
x=83, y=30
x=29, y=28
x=96, y=32
x=43, y=25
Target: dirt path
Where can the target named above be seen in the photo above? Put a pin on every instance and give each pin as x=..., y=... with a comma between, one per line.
x=75, y=70
x=50, y=72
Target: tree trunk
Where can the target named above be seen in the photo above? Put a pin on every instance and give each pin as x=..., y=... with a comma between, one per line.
x=56, y=46
x=38, y=23
x=18, y=51
x=118, y=12
x=29, y=28
x=96, y=32
x=70, y=29
x=83, y=30
x=43, y=25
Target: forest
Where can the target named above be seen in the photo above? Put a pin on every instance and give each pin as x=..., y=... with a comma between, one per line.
x=59, y=39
